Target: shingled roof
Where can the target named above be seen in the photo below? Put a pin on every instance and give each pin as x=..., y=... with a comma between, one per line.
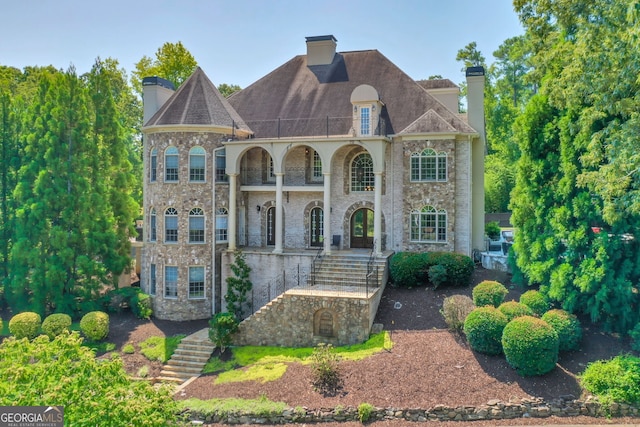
x=305, y=96
x=198, y=103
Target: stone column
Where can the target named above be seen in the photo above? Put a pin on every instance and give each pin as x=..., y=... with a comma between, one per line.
x=279, y=181
x=377, y=213
x=233, y=177
x=327, y=213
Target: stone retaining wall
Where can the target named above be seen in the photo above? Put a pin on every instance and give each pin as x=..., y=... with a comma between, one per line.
x=493, y=410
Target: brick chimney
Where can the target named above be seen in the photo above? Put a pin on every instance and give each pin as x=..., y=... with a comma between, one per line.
x=155, y=92
x=320, y=50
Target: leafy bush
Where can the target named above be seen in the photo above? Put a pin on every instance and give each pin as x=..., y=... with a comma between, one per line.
x=221, y=329
x=141, y=305
x=513, y=309
x=128, y=348
x=95, y=325
x=409, y=269
x=615, y=380
x=536, y=301
x=325, y=368
x=1, y=325
x=634, y=334
x=530, y=346
x=492, y=229
x=128, y=297
x=364, y=412
x=101, y=392
x=455, y=310
x=25, y=325
x=55, y=324
x=489, y=292
x=483, y=328
x=567, y=326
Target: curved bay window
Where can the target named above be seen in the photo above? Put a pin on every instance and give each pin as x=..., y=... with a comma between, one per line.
x=362, y=177
x=197, y=164
x=429, y=225
x=171, y=165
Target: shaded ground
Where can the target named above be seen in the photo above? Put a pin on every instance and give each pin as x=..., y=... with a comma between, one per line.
x=428, y=365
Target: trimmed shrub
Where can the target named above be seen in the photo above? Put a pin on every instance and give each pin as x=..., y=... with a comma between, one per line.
x=483, y=328
x=567, y=326
x=455, y=310
x=513, y=309
x=132, y=297
x=616, y=380
x=536, y=301
x=409, y=269
x=25, y=325
x=95, y=325
x=530, y=346
x=55, y=324
x=634, y=334
x=489, y=292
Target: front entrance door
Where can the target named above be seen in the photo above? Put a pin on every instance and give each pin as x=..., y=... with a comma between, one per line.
x=362, y=229
x=271, y=226
x=316, y=227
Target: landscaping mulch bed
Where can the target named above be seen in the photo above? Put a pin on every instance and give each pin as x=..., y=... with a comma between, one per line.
x=428, y=365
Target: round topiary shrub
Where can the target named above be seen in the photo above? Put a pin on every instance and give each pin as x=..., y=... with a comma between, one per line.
x=455, y=310
x=489, y=292
x=530, y=346
x=567, y=326
x=25, y=325
x=95, y=325
x=535, y=301
x=55, y=324
x=483, y=328
x=513, y=309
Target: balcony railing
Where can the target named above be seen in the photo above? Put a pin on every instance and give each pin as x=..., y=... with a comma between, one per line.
x=309, y=127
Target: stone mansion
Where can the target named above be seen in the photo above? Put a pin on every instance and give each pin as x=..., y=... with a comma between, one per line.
x=331, y=151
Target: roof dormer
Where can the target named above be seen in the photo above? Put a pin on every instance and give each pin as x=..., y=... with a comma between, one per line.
x=366, y=110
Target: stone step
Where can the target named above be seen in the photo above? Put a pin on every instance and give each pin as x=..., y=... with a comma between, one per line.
x=182, y=370
x=189, y=361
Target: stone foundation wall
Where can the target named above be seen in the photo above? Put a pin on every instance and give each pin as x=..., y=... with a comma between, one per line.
x=294, y=320
x=493, y=410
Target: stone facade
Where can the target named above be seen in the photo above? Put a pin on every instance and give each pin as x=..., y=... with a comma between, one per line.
x=183, y=196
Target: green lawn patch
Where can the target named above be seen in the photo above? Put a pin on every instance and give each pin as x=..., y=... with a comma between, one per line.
x=261, y=407
x=160, y=348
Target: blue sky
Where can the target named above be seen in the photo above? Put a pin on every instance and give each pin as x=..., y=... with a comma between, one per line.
x=239, y=41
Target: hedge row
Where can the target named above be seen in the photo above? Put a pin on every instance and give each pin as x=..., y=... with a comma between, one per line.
x=411, y=269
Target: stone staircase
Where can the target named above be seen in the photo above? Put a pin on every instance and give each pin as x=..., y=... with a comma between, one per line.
x=337, y=270
x=187, y=361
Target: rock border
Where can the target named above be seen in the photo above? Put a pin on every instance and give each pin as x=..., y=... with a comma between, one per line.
x=566, y=406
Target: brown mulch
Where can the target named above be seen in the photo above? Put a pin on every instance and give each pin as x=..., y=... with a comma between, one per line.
x=428, y=365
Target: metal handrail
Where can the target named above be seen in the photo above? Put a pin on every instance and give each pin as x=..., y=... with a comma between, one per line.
x=370, y=267
x=315, y=265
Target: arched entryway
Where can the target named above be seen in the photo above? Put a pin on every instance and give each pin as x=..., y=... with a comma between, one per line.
x=362, y=228
x=316, y=227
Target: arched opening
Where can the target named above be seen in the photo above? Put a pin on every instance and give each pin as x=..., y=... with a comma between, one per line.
x=362, y=228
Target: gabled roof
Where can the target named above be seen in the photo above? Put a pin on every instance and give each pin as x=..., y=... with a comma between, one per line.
x=437, y=84
x=303, y=97
x=429, y=122
x=197, y=102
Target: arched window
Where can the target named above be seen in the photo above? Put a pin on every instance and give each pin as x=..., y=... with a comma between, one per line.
x=197, y=164
x=170, y=225
x=428, y=225
x=153, y=234
x=196, y=226
x=222, y=216
x=171, y=164
x=153, y=165
x=428, y=165
x=362, y=178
